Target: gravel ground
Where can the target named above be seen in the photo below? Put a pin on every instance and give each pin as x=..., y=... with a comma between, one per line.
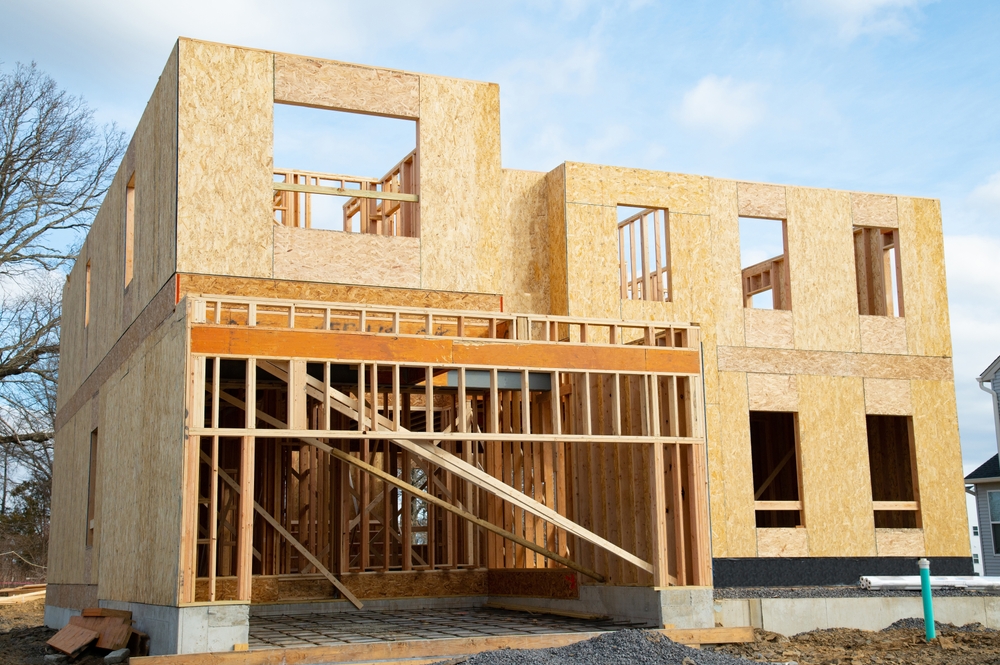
x=634, y=647
x=839, y=592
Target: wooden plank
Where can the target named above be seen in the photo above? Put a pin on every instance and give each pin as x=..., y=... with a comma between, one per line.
x=113, y=631
x=777, y=505
x=343, y=191
x=895, y=505
x=73, y=639
x=736, y=635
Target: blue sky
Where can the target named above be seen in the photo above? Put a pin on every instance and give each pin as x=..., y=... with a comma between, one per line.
x=895, y=96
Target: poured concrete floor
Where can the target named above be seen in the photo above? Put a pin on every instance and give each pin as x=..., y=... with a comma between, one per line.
x=304, y=630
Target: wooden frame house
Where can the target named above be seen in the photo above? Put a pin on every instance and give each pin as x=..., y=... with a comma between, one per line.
x=487, y=383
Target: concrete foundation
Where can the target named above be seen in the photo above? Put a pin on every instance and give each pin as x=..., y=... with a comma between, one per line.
x=195, y=629
x=790, y=616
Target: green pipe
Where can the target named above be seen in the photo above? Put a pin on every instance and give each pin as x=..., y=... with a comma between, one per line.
x=925, y=592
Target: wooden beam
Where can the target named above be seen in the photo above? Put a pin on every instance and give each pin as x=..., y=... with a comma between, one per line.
x=343, y=191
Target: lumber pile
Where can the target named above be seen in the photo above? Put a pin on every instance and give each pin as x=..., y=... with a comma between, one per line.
x=22, y=594
x=102, y=628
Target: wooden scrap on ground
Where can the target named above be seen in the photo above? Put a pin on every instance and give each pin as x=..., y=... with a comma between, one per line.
x=114, y=631
x=73, y=639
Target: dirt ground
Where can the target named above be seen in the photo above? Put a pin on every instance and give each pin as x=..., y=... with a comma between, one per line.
x=23, y=635
x=970, y=645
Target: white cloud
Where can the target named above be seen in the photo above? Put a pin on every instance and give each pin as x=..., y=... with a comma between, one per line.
x=722, y=106
x=858, y=17
x=987, y=195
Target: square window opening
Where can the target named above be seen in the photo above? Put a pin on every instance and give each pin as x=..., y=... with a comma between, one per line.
x=880, y=278
x=895, y=494
x=776, y=480
x=344, y=171
x=764, y=263
x=644, y=253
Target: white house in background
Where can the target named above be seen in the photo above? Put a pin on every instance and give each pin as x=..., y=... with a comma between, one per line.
x=972, y=508
x=985, y=483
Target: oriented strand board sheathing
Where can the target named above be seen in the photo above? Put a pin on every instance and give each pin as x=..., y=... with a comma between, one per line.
x=769, y=328
x=900, y=542
x=613, y=186
x=734, y=440
x=318, y=255
x=880, y=366
x=833, y=442
x=142, y=419
x=888, y=397
x=821, y=268
x=925, y=291
x=758, y=200
x=344, y=87
x=592, y=261
x=459, y=153
x=105, y=255
x=874, y=210
x=773, y=392
x=782, y=542
x=70, y=466
x=523, y=247
x=883, y=334
x=555, y=182
x=727, y=292
x=224, y=163
x=939, y=468
x=716, y=478
x=72, y=334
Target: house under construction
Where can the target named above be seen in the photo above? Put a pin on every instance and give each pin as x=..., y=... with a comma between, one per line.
x=481, y=383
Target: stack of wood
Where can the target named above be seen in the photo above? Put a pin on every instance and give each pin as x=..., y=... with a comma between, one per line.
x=22, y=594
x=102, y=628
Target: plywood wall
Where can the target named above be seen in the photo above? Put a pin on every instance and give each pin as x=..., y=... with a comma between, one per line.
x=68, y=529
x=225, y=132
x=141, y=429
x=458, y=148
x=151, y=155
x=522, y=247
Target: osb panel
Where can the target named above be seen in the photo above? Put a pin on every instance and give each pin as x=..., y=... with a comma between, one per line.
x=399, y=585
x=888, y=397
x=773, y=392
x=716, y=479
x=317, y=291
x=925, y=290
x=821, y=268
x=523, y=247
x=874, y=210
x=728, y=294
x=900, y=542
x=758, y=200
x=734, y=441
x=782, y=542
x=142, y=415
x=769, y=328
x=939, y=468
x=539, y=583
x=105, y=253
x=318, y=255
x=155, y=164
x=592, y=261
x=833, y=441
x=72, y=334
x=613, y=186
x=70, y=480
x=72, y=596
x=555, y=182
x=459, y=152
x=224, y=163
x=336, y=85
x=879, y=366
x=883, y=334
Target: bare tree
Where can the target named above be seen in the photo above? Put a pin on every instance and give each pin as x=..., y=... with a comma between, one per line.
x=56, y=164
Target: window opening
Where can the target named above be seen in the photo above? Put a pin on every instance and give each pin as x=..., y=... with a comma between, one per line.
x=129, y=229
x=876, y=259
x=893, y=476
x=764, y=260
x=774, y=454
x=326, y=156
x=993, y=499
x=92, y=490
x=86, y=299
x=644, y=253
